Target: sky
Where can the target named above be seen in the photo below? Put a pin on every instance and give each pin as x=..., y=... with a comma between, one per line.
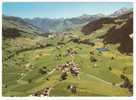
x=59, y=10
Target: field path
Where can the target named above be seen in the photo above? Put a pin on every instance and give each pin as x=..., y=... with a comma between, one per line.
x=109, y=83
x=49, y=91
x=51, y=71
x=20, y=79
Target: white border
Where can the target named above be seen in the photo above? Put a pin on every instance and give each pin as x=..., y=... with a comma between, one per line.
x=67, y=98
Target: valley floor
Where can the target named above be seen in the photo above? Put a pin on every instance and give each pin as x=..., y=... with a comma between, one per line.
x=22, y=74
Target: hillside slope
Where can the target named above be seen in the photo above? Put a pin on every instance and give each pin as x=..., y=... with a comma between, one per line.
x=18, y=35
x=97, y=24
x=14, y=27
x=119, y=33
x=122, y=36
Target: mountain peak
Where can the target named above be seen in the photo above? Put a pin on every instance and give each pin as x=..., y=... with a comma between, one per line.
x=121, y=11
x=84, y=16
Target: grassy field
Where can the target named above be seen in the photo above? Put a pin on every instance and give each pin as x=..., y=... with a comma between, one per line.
x=22, y=77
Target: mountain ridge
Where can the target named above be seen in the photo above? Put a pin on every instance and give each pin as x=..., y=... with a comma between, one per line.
x=62, y=24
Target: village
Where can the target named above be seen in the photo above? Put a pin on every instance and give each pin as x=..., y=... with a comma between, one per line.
x=73, y=68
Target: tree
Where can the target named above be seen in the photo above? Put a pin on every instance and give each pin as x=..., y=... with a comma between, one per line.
x=124, y=69
x=91, y=52
x=112, y=58
x=110, y=68
x=29, y=81
x=113, y=84
x=122, y=76
x=63, y=76
x=43, y=71
x=47, y=79
x=93, y=59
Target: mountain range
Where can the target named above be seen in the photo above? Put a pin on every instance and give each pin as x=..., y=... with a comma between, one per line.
x=65, y=24
x=61, y=24
x=122, y=19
